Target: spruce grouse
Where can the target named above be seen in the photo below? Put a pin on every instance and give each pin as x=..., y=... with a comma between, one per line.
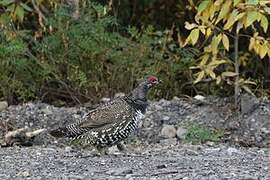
x=112, y=122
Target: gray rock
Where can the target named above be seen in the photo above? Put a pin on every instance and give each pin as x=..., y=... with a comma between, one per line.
x=168, y=131
x=119, y=95
x=248, y=104
x=3, y=105
x=181, y=132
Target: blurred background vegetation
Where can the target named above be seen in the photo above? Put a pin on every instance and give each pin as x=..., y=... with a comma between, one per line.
x=69, y=52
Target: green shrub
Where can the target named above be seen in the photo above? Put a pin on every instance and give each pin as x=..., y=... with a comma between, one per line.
x=83, y=59
x=199, y=134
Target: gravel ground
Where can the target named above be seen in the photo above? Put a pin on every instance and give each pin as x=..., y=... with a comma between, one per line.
x=157, y=152
x=151, y=162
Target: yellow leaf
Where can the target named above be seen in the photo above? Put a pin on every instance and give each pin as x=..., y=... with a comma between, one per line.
x=264, y=23
x=194, y=35
x=214, y=44
x=194, y=67
x=251, y=17
x=257, y=46
x=200, y=77
x=234, y=16
x=217, y=62
x=225, y=41
x=208, y=32
x=189, y=26
x=248, y=90
x=239, y=27
x=224, y=11
x=202, y=29
x=212, y=74
x=263, y=50
x=229, y=74
x=268, y=50
x=251, y=43
x=249, y=82
x=204, y=58
x=218, y=2
x=218, y=80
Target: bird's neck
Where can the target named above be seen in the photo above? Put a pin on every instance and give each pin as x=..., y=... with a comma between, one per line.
x=138, y=99
x=139, y=93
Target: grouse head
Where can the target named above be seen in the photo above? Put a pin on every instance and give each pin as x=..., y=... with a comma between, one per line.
x=140, y=92
x=151, y=81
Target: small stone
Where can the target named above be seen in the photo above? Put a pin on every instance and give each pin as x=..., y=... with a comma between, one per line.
x=161, y=166
x=24, y=174
x=75, y=177
x=166, y=118
x=68, y=149
x=168, y=131
x=117, y=95
x=181, y=132
x=47, y=111
x=168, y=142
x=199, y=97
x=119, y=171
x=3, y=105
x=158, y=107
x=210, y=143
x=265, y=130
x=104, y=100
x=232, y=151
x=249, y=177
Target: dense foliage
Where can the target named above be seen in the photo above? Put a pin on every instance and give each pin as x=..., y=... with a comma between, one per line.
x=75, y=51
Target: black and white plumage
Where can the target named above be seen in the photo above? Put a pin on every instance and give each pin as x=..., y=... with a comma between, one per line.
x=113, y=121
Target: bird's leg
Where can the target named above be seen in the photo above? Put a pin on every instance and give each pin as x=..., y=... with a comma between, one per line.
x=101, y=151
x=121, y=147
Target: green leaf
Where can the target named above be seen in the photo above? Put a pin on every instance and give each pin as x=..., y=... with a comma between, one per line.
x=194, y=35
x=6, y=2
x=26, y=7
x=236, y=2
x=253, y=2
x=224, y=11
x=251, y=17
x=267, y=10
x=234, y=16
x=203, y=5
x=19, y=11
x=264, y=23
